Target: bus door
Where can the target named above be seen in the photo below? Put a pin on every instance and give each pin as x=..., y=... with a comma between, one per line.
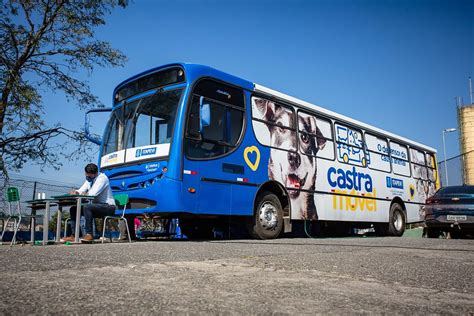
x=213, y=129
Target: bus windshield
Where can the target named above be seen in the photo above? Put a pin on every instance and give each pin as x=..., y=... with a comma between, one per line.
x=143, y=122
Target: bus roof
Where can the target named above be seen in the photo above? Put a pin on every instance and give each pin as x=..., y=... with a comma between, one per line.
x=196, y=70
x=308, y=106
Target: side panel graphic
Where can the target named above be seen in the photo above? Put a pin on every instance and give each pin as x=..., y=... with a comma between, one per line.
x=333, y=174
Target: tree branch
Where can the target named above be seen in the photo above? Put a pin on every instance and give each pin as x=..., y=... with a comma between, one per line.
x=43, y=43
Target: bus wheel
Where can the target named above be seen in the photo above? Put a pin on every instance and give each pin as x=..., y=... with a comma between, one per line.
x=396, y=225
x=267, y=222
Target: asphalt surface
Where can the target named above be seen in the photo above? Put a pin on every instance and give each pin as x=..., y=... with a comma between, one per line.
x=284, y=276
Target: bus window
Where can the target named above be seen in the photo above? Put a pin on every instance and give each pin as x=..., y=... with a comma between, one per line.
x=431, y=164
x=350, y=146
x=151, y=122
x=378, y=151
x=222, y=133
x=113, y=140
x=315, y=136
x=432, y=173
x=418, y=164
x=400, y=163
x=274, y=124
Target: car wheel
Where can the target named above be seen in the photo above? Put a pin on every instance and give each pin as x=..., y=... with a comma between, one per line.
x=396, y=225
x=267, y=222
x=455, y=234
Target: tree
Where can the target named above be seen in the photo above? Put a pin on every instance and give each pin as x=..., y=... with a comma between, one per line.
x=45, y=44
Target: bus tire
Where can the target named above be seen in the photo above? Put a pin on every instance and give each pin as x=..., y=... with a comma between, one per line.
x=267, y=222
x=397, y=221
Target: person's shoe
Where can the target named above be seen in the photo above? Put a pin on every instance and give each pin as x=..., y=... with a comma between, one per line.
x=87, y=238
x=70, y=239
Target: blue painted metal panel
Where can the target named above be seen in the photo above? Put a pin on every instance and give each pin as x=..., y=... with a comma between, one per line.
x=241, y=196
x=214, y=198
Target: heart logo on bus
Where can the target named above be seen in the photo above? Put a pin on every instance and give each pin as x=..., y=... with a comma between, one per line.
x=248, y=152
x=412, y=191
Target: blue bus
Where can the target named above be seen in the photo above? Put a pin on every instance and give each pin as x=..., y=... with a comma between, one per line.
x=191, y=142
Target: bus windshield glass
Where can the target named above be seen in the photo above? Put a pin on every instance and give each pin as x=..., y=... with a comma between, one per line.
x=143, y=122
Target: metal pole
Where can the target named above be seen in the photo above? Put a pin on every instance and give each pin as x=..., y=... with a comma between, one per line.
x=33, y=218
x=34, y=191
x=470, y=89
x=445, y=167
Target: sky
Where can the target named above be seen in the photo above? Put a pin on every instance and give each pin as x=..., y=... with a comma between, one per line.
x=397, y=65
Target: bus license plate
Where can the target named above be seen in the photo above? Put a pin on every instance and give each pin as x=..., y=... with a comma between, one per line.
x=457, y=217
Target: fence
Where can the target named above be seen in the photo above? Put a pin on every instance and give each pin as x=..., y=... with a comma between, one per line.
x=29, y=188
x=457, y=175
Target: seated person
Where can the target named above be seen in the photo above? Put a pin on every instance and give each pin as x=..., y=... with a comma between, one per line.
x=96, y=184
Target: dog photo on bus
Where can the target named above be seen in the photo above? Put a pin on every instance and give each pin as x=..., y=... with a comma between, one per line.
x=295, y=168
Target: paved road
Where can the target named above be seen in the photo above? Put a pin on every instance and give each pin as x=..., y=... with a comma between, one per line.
x=287, y=276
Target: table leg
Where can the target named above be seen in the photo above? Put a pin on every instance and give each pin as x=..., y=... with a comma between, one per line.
x=78, y=220
x=58, y=224
x=46, y=224
x=33, y=226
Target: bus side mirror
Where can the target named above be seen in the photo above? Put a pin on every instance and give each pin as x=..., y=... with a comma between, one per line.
x=204, y=114
x=87, y=134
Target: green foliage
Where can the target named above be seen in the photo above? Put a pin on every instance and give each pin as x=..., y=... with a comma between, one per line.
x=44, y=44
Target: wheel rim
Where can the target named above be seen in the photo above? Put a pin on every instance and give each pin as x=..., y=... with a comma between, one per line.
x=397, y=221
x=268, y=216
